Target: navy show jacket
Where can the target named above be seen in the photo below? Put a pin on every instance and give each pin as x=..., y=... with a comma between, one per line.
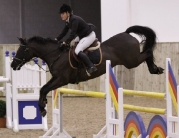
x=78, y=27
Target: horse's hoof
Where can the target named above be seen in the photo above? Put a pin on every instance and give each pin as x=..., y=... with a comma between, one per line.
x=43, y=113
x=45, y=101
x=160, y=70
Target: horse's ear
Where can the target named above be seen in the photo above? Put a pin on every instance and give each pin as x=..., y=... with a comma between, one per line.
x=22, y=41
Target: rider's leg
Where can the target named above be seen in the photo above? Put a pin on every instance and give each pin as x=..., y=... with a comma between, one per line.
x=85, y=42
x=87, y=62
x=82, y=45
x=76, y=40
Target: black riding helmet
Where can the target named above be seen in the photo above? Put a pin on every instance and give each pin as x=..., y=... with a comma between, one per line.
x=65, y=8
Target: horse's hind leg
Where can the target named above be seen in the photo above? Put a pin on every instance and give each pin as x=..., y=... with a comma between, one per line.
x=148, y=57
x=134, y=62
x=153, y=69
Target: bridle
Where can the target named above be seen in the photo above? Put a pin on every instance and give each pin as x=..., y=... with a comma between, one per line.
x=23, y=61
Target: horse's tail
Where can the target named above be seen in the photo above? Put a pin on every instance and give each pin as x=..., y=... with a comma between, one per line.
x=149, y=39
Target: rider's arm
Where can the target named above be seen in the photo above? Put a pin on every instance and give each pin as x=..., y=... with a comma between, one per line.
x=63, y=33
x=73, y=31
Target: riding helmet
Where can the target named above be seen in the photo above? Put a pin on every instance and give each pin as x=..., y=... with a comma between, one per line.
x=65, y=8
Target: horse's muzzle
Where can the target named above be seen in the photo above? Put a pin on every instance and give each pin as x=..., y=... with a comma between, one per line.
x=14, y=67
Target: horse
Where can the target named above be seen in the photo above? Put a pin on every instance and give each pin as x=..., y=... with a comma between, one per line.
x=121, y=49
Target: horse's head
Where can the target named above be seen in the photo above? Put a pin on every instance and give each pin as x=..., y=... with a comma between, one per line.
x=22, y=56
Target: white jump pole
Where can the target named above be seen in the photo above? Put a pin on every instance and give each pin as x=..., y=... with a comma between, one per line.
x=8, y=91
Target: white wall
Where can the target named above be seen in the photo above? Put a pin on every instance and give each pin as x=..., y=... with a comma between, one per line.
x=114, y=17
x=160, y=15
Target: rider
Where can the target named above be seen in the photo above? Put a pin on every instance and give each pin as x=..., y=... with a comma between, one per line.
x=78, y=28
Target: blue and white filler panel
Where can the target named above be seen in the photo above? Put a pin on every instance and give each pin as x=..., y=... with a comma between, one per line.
x=29, y=113
x=22, y=94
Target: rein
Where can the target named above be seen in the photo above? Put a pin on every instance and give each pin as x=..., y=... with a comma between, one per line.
x=50, y=64
x=49, y=52
x=54, y=60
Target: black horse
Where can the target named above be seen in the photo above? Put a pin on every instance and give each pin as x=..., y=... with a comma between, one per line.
x=121, y=49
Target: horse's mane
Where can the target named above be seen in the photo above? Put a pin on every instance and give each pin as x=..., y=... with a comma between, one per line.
x=41, y=40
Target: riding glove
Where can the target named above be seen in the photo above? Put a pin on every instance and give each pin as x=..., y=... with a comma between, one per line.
x=64, y=46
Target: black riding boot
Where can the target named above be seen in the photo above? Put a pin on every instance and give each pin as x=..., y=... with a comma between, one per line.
x=87, y=62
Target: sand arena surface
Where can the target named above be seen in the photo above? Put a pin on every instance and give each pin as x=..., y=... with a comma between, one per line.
x=83, y=117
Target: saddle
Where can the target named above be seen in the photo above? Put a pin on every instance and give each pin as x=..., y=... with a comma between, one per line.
x=93, y=46
x=92, y=51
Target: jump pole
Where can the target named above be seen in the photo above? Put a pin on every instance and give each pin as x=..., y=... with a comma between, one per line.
x=83, y=93
x=144, y=93
x=8, y=90
x=102, y=94
x=144, y=109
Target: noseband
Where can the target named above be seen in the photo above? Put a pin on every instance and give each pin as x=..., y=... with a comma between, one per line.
x=22, y=61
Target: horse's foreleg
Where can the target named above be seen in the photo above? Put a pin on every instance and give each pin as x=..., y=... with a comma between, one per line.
x=50, y=85
x=42, y=101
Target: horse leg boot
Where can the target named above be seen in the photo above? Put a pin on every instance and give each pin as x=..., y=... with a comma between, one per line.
x=87, y=62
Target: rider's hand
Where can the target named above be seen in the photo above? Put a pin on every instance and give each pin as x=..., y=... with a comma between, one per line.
x=63, y=46
x=56, y=39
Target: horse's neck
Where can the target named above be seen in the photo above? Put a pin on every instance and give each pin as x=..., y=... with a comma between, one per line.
x=48, y=53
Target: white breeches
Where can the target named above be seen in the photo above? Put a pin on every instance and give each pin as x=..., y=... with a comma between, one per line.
x=84, y=42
